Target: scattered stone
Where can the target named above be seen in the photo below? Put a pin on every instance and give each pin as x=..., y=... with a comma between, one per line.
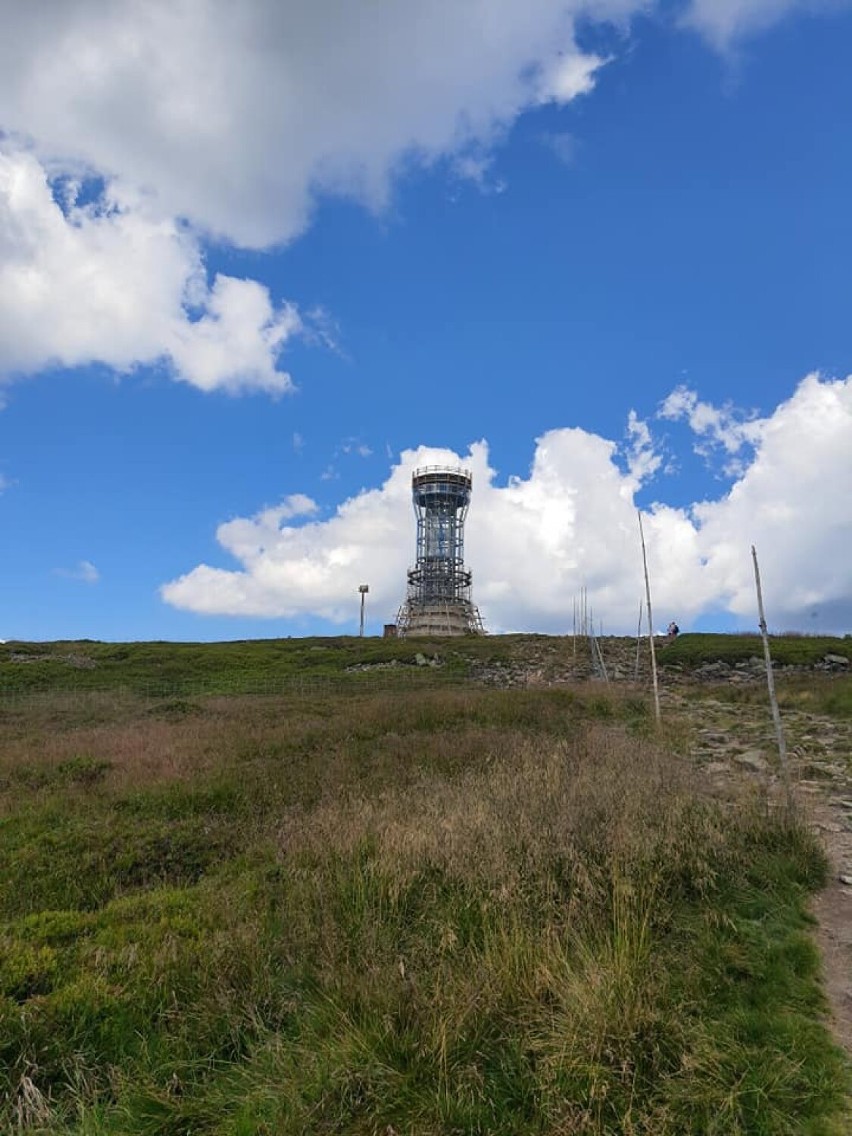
x=835, y=661
x=80, y=662
x=845, y=880
x=713, y=670
x=826, y=769
x=752, y=759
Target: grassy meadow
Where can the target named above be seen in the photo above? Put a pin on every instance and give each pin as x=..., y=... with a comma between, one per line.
x=412, y=911
x=243, y=666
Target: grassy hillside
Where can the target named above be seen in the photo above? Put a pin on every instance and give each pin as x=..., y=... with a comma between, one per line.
x=237, y=666
x=268, y=664
x=693, y=650
x=454, y=911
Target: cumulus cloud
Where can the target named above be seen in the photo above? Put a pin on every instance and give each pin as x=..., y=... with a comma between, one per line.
x=535, y=541
x=196, y=119
x=791, y=503
x=208, y=117
x=109, y=281
x=238, y=115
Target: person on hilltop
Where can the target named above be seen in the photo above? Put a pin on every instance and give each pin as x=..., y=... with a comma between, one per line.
x=673, y=630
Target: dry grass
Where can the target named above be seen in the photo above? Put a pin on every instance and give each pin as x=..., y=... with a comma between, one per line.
x=465, y=911
x=518, y=807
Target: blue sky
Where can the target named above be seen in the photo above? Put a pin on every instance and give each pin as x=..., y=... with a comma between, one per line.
x=256, y=268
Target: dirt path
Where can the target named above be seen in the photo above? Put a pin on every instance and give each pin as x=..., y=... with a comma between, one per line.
x=732, y=741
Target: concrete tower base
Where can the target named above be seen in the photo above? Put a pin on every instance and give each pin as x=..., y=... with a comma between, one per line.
x=439, y=619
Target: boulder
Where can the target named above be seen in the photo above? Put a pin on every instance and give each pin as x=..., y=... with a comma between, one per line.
x=752, y=759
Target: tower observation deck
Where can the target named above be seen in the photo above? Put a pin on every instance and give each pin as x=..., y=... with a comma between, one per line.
x=438, y=598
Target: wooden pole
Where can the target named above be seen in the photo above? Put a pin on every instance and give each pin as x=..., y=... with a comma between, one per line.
x=770, y=682
x=650, y=621
x=638, y=641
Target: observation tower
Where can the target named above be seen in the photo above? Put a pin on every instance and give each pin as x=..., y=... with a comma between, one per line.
x=438, y=600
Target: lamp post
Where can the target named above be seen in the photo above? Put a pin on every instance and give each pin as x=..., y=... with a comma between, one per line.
x=363, y=589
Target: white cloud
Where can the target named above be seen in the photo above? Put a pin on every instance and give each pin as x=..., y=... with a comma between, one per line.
x=238, y=115
x=723, y=21
x=355, y=447
x=791, y=503
x=237, y=340
x=568, y=76
x=562, y=144
x=643, y=456
x=110, y=282
x=208, y=117
x=571, y=522
x=727, y=428
x=85, y=572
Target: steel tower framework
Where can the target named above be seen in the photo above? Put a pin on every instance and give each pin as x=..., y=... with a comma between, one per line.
x=438, y=599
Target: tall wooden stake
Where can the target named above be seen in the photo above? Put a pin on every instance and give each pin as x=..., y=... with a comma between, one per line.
x=650, y=621
x=770, y=682
x=638, y=641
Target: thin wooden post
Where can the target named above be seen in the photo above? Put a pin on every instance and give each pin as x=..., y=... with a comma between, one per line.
x=770, y=682
x=650, y=621
x=638, y=641
x=601, y=662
